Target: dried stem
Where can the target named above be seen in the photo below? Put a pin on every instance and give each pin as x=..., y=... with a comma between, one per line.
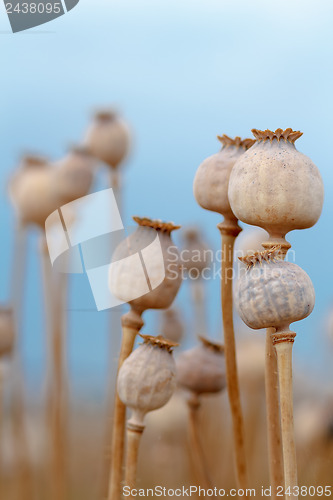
x=18, y=407
x=273, y=416
x=283, y=348
x=198, y=298
x=114, y=330
x=134, y=433
x=200, y=466
x=130, y=329
x=55, y=292
x=229, y=232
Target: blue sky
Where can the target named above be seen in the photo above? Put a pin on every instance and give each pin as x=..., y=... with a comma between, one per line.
x=181, y=72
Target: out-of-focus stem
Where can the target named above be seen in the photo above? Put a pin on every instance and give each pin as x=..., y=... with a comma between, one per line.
x=200, y=466
x=55, y=293
x=18, y=407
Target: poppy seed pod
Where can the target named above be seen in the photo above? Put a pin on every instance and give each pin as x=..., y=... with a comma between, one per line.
x=194, y=253
x=30, y=191
x=7, y=331
x=108, y=138
x=276, y=187
x=272, y=292
x=73, y=175
x=127, y=279
x=211, y=181
x=172, y=327
x=202, y=369
x=147, y=378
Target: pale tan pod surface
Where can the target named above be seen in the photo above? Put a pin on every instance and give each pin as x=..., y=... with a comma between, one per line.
x=108, y=138
x=211, y=181
x=126, y=275
x=276, y=187
x=73, y=175
x=274, y=294
x=172, y=327
x=147, y=378
x=31, y=191
x=195, y=252
x=202, y=368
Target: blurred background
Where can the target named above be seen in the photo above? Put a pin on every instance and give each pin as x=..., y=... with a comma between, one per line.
x=179, y=73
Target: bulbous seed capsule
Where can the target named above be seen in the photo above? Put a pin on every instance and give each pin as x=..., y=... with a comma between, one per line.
x=108, y=138
x=126, y=277
x=202, y=368
x=273, y=293
x=147, y=378
x=274, y=186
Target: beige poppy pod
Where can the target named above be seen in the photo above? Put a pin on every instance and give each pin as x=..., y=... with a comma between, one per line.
x=30, y=191
x=195, y=253
x=201, y=369
x=276, y=187
x=273, y=293
x=108, y=138
x=250, y=241
x=7, y=331
x=147, y=378
x=146, y=266
x=172, y=327
x=73, y=175
x=211, y=180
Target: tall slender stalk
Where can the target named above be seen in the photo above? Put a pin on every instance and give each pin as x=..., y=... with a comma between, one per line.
x=55, y=292
x=18, y=407
x=283, y=348
x=229, y=232
x=134, y=433
x=131, y=325
x=200, y=466
x=198, y=298
x=273, y=416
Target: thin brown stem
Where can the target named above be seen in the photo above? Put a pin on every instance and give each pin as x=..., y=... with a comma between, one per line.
x=55, y=291
x=24, y=481
x=273, y=416
x=199, y=462
x=114, y=330
x=229, y=233
x=283, y=348
x=134, y=433
x=129, y=331
x=198, y=298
